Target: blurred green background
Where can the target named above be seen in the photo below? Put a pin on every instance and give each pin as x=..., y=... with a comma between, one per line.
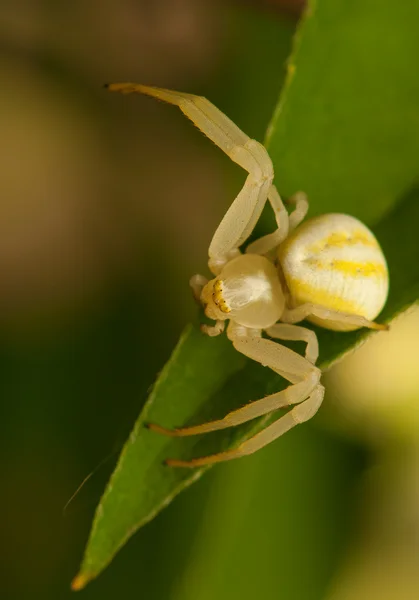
x=107, y=205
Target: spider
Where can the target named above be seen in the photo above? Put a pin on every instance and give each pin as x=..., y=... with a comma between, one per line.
x=329, y=270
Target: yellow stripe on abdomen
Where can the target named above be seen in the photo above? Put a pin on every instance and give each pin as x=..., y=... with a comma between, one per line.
x=302, y=293
x=351, y=268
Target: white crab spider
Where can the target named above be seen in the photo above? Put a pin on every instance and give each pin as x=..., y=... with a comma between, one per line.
x=330, y=270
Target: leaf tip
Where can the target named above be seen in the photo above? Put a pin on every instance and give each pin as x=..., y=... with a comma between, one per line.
x=79, y=582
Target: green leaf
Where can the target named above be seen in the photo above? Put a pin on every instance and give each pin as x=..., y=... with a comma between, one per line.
x=346, y=128
x=347, y=132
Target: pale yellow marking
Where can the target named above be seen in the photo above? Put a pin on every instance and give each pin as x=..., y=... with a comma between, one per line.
x=218, y=297
x=348, y=267
x=304, y=292
x=342, y=239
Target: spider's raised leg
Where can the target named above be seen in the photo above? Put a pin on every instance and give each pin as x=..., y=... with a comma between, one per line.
x=243, y=214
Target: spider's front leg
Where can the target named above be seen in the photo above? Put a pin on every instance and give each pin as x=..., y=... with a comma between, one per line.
x=241, y=217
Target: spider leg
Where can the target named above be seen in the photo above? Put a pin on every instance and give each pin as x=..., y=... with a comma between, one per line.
x=197, y=282
x=300, y=413
x=291, y=395
x=243, y=214
x=304, y=376
x=284, y=331
x=285, y=222
x=269, y=242
x=294, y=315
x=207, y=117
x=299, y=199
x=213, y=330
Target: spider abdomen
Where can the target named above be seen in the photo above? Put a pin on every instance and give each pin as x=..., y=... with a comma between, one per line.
x=334, y=261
